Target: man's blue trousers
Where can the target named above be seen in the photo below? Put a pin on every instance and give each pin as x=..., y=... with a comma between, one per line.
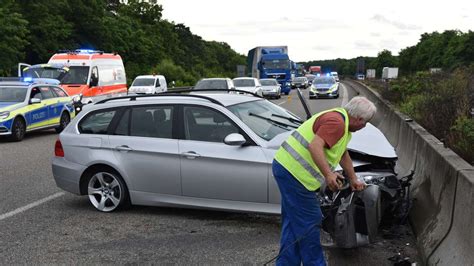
x=301, y=219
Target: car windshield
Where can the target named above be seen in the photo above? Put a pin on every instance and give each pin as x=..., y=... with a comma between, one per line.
x=268, y=82
x=300, y=79
x=244, y=83
x=76, y=75
x=211, y=84
x=265, y=118
x=13, y=94
x=328, y=80
x=44, y=72
x=311, y=77
x=276, y=64
x=144, y=82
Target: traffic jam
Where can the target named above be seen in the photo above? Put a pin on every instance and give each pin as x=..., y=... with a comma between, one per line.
x=212, y=146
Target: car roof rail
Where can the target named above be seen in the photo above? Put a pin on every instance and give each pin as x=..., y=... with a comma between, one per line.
x=134, y=97
x=218, y=90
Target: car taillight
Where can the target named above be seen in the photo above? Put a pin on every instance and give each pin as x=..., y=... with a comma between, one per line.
x=58, y=149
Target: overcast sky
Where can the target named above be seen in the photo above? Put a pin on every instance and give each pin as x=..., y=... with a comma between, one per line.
x=316, y=30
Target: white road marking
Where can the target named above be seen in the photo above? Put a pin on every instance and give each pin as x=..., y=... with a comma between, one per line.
x=31, y=205
x=345, y=95
x=281, y=103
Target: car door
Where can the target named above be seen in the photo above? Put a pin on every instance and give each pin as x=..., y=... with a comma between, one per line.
x=51, y=102
x=38, y=113
x=212, y=169
x=144, y=147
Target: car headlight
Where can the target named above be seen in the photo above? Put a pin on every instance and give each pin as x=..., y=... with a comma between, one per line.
x=4, y=114
x=333, y=88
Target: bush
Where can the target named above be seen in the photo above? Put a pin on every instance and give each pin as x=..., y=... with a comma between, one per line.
x=462, y=138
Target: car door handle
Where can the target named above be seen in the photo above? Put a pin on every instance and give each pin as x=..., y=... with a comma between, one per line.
x=123, y=148
x=190, y=154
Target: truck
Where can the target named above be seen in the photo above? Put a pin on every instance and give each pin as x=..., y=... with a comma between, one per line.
x=91, y=74
x=389, y=73
x=272, y=62
x=370, y=73
x=315, y=70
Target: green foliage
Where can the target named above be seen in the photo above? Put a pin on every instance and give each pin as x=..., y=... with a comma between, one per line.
x=441, y=103
x=34, y=30
x=462, y=137
x=172, y=72
x=13, y=29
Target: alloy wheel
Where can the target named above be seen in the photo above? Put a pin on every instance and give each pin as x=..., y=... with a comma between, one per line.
x=105, y=191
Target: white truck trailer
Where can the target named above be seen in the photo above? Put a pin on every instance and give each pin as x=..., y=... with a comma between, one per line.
x=389, y=72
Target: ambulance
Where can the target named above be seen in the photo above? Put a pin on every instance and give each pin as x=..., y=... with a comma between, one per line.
x=90, y=74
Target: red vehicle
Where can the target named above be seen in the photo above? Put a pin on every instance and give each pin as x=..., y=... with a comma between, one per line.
x=315, y=70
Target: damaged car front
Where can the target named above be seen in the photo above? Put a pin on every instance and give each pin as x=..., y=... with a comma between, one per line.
x=352, y=218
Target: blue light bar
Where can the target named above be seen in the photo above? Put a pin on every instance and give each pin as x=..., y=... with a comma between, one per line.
x=86, y=51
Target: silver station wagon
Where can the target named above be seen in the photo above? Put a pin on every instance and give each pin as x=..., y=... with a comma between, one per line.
x=210, y=151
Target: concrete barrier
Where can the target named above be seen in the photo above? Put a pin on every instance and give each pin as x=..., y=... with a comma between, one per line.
x=456, y=249
x=443, y=186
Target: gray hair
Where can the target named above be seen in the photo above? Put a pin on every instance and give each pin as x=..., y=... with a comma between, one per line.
x=361, y=107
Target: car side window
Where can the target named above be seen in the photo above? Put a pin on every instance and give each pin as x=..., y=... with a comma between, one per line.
x=152, y=121
x=204, y=124
x=36, y=93
x=157, y=83
x=123, y=125
x=59, y=92
x=46, y=92
x=97, y=122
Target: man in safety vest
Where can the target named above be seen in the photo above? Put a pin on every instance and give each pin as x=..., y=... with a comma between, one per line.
x=306, y=160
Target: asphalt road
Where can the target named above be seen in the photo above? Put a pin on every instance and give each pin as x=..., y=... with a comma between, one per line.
x=41, y=224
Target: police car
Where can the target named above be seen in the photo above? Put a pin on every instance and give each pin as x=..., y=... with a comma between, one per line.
x=28, y=104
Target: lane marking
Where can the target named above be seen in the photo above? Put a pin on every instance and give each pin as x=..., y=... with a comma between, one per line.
x=281, y=103
x=31, y=205
x=345, y=95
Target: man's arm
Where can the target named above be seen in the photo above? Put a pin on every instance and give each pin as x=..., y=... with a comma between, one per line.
x=346, y=164
x=316, y=148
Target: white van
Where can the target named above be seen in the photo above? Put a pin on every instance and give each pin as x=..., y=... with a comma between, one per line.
x=149, y=84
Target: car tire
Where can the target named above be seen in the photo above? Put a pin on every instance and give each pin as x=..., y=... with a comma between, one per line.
x=63, y=122
x=107, y=191
x=286, y=93
x=18, y=129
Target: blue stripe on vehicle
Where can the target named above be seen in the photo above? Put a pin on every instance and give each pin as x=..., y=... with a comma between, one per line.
x=7, y=124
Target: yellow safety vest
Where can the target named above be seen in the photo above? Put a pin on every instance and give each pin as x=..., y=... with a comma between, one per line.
x=295, y=157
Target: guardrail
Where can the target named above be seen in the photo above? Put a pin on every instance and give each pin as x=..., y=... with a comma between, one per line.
x=443, y=186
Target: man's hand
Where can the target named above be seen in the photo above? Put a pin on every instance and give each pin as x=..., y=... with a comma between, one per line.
x=331, y=181
x=357, y=185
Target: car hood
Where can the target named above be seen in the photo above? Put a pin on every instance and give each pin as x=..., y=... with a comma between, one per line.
x=249, y=89
x=6, y=106
x=325, y=85
x=141, y=88
x=367, y=141
x=269, y=88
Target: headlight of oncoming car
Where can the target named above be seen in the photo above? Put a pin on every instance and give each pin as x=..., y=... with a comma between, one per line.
x=4, y=114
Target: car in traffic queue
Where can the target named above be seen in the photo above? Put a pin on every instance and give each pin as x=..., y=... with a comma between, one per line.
x=271, y=88
x=148, y=84
x=28, y=104
x=310, y=78
x=299, y=82
x=324, y=87
x=248, y=84
x=224, y=84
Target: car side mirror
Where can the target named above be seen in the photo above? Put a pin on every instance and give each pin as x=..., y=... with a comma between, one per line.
x=35, y=100
x=234, y=139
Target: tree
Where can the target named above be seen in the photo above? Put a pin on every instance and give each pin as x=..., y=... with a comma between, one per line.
x=13, y=29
